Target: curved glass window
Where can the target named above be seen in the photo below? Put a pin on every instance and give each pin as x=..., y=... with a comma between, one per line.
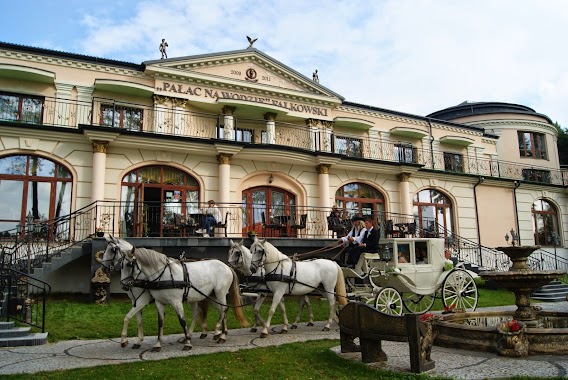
x=359, y=199
x=545, y=223
x=32, y=185
x=433, y=211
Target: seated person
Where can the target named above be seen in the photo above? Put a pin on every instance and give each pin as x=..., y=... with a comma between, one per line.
x=403, y=254
x=335, y=222
x=212, y=217
x=421, y=253
x=368, y=241
x=349, y=239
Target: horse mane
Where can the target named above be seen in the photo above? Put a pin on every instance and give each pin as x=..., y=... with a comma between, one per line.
x=149, y=257
x=273, y=253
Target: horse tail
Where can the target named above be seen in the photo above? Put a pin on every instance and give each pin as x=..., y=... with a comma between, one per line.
x=203, y=306
x=235, y=296
x=340, y=290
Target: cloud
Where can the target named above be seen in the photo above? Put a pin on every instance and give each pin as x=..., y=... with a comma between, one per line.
x=414, y=56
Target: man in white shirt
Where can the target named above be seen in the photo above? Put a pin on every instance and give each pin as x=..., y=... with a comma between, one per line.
x=212, y=217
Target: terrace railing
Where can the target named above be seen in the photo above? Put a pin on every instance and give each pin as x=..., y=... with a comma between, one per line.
x=175, y=121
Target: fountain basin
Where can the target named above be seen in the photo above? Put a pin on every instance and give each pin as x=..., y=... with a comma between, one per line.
x=477, y=331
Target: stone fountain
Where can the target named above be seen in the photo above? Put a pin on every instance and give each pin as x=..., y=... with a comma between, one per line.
x=542, y=332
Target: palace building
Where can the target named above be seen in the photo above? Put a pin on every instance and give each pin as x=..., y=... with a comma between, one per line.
x=149, y=144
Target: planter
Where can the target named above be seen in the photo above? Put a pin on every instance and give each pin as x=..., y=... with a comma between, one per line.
x=100, y=234
x=252, y=235
x=512, y=344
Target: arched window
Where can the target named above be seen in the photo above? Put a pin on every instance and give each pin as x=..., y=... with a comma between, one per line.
x=545, y=223
x=152, y=198
x=433, y=211
x=32, y=185
x=359, y=199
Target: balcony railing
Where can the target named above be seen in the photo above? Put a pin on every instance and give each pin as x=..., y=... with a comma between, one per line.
x=161, y=120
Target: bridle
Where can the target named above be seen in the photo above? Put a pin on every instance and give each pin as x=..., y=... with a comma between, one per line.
x=259, y=262
x=239, y=257
x=115, y=251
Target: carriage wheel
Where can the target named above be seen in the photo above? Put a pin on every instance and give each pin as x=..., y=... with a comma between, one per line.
x=389, y=301
x=418, y=303
x=459, y=290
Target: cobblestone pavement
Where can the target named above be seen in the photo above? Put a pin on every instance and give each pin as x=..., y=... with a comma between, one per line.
x=458, y=364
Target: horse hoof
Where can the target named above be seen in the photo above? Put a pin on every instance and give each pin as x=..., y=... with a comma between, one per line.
x=123, y=344
x=253, y=329
x=187, y=348
x=294, y=327
x=325, y=329
x=216, y=337
x=284, y=332
x=156, y=349
x=202, y=336
x=221, y=341
x=135, y=346
x=310, y=324
x=263, y=335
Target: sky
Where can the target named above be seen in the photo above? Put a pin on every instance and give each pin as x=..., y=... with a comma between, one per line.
x=413, y=56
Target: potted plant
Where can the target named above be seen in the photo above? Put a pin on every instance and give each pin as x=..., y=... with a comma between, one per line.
x=252, y=234
x=100, y=232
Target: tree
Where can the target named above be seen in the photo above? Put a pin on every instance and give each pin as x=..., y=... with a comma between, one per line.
x=562, y=144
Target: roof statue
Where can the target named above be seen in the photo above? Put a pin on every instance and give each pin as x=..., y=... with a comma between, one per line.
x=163, y=47
x=315, y=76
x=251, y=41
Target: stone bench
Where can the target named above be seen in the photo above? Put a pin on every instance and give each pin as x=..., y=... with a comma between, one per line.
x=359, y=320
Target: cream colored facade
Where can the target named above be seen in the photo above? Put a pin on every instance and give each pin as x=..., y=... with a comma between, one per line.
x=300, y=125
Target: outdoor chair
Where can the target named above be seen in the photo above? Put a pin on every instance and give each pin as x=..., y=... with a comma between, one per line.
x=220, y=225
x=269, y=226
x=301, y=226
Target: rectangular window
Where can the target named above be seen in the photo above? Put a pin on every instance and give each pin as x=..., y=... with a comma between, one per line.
x=243, y=135
x=23, y=108
x=532, y=145
x=404, y=153
x=121, y=117
x=453, y=162
x=534, y=175
x=348, y=146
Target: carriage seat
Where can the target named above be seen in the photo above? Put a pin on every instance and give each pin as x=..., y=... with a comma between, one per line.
x=362, y=267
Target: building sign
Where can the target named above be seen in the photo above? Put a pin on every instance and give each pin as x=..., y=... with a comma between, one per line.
x=188, y=92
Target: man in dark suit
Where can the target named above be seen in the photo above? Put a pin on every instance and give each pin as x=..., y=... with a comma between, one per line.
x=366, y=242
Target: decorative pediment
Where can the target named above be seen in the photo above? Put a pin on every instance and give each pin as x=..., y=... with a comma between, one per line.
x=248, y=68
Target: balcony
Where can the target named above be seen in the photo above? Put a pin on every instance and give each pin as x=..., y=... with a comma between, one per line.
x=159, y=120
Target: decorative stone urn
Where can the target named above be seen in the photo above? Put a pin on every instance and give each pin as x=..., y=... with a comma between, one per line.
x=512, y=343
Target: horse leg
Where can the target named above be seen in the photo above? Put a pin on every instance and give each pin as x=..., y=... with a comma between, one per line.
x=258, y=321
x=178, y=307
x=284, y=317
x=203, y=307
x=276, y=298
x=304, y=301
x=218, y=326
x=329, y=294
x=144, y=300
x=158, y=346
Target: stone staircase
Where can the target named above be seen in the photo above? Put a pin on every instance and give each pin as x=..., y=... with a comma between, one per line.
x=64, y=257
x=12, y=336
x=556, y=291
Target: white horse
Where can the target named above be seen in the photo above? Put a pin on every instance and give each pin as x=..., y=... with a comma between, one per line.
x=129, y=275
x=171, y=282
x=285, y=276
x=240, y=258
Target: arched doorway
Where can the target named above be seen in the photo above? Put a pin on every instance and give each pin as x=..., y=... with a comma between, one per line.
x=433, y=211
x=32, y=185
x=154, y=199
x=274, y=202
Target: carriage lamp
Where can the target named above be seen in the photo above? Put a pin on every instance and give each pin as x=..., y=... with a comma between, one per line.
x=386, y=254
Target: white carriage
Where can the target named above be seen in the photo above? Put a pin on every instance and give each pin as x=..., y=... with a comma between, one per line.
x=408, y=274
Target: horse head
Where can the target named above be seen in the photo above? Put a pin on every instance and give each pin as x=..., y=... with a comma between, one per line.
x=258, y=254
x=115, y=253
x=240, y=257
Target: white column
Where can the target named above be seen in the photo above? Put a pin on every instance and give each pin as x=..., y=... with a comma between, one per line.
x=229, y=122
x=270, y=118
x=224, y=161
x=99, y=168
x=404, y=190
x=84, y=104
x=323, y=191
x=178, y=127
